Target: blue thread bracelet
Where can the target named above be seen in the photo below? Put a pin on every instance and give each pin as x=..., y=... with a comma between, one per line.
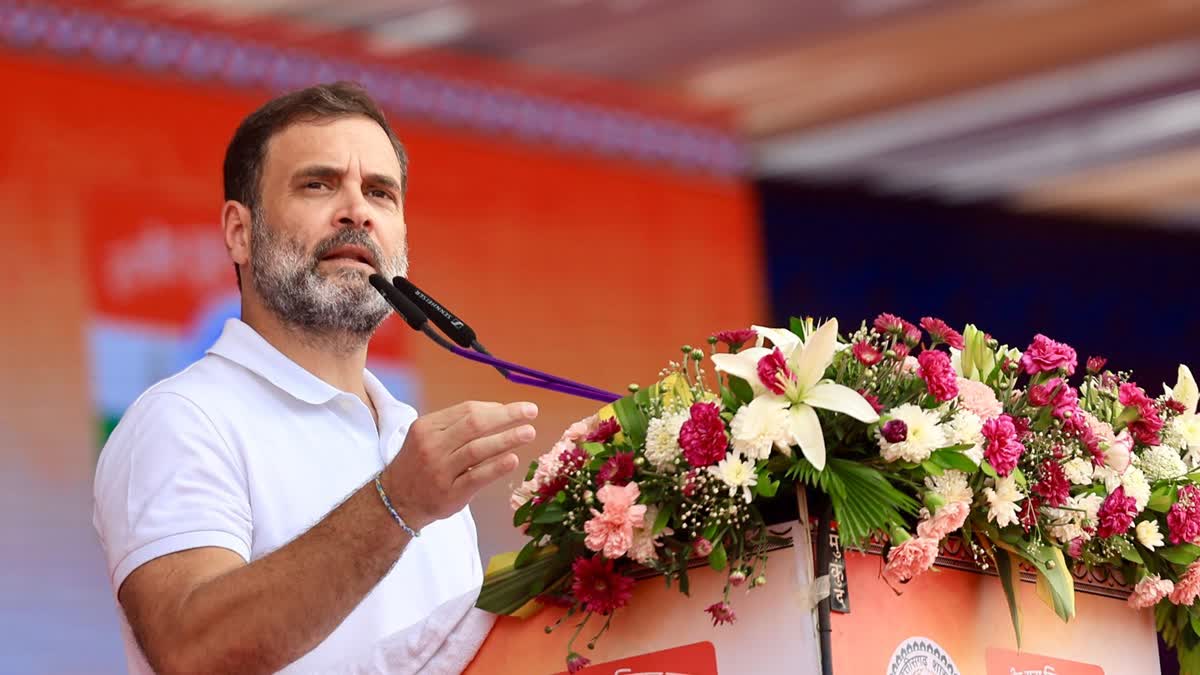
x=391, y=509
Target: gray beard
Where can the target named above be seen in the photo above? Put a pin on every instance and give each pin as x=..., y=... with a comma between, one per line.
x=341, y=310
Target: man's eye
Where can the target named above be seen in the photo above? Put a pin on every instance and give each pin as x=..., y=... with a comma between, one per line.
x=382, y=194
x=316, y=185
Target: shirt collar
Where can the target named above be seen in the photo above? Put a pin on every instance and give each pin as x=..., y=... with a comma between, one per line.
x=244, y=346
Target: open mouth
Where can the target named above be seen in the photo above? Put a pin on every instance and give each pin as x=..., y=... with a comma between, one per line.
x=351, y=254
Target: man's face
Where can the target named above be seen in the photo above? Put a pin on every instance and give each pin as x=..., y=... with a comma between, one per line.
x=330, y=215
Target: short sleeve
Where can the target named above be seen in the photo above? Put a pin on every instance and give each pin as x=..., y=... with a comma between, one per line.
x=166, y=481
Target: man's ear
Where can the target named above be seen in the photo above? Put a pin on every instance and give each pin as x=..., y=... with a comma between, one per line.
x=235, y=225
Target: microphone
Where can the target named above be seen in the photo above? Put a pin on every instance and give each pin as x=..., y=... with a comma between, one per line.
x=411, y=314
x=454, y=328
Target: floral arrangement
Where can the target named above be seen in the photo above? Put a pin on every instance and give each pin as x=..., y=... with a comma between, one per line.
x=914, y=433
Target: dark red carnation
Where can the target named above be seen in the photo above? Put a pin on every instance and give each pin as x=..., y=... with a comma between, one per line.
x=618, y=470
x=703, y=437
x=1183, y=520
x=1179, y=407
x=894, y=431
x=547, y=491
x=734, y=339
x=572, y=460
x=872, y=399
x=1053, y=486
x=940, y=331
x=597, y=587
x=605, y=432
x=1095, y=364
x=1149, y=423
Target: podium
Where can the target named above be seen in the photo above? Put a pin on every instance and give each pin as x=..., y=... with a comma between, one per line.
x=952, y=620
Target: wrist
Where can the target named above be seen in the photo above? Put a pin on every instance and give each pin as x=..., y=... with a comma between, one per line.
x=396, y=509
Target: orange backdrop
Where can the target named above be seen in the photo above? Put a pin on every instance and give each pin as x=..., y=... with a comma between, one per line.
x=589, y=267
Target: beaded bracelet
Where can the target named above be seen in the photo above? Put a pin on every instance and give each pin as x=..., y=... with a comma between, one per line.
x=391, y=509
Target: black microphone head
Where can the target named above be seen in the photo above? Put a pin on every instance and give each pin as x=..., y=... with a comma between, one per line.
x=454, y=328
x=412, y=314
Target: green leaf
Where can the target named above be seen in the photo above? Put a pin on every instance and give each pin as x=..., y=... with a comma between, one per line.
x=507, y=591
x=864, y=501
x=1127, y=550
x=526, y=554
x=593, y=449
x=1183, y=554
x=633, y=421
x=988, y=470
x=664, y=517
x=1162, y=498
x=1019, y=477
x=553, y=513
x=950, y=458
x=1195, y=622
x=741, y=389
x=796, y=325
x=1055, y=584
x=766, y=486
x=717, y=558
x=522, y=513
x=932, y=468
x=1010, y=577
x=710, y=532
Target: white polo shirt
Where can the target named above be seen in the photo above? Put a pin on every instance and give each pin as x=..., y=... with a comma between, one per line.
x=246, y=450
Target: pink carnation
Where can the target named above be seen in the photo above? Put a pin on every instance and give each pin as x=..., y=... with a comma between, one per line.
x=979, y=399
x=938, y=374
x=1003, y=450
x=1056, y=393
x=948, y=518
x=1188, y=587
x=611, y=532
x=1116, y=514
x=1119, y=454
x=1047, y=356
x=910, y=558
x=702, y=437
x=1149, y=591
x=1095, y=364
x=702, y=547
x=1183, y=520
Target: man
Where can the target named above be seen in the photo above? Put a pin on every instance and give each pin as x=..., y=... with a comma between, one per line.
x=258, y=510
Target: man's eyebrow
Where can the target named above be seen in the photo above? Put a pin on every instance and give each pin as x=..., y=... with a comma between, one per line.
x=323, y=171
x=384, y=180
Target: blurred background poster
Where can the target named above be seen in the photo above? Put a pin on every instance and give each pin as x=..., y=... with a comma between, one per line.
x=593, y=184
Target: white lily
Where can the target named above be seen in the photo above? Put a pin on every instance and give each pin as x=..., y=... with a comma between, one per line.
x=1185, y=390
x=801, y=388
x=1187, y=425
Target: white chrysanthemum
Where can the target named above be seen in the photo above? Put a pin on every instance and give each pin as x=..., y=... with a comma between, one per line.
x=1148, y=534
x=1002, y=501
x=736, y=473
x=1160, y=462
x=1187, y=427
x=1079, y=471
x=758, y=426
x=924, y=434
x=1136, y=486
x=1074, y=519
x=965, y=427
x=662, y=440
x=951, y=486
